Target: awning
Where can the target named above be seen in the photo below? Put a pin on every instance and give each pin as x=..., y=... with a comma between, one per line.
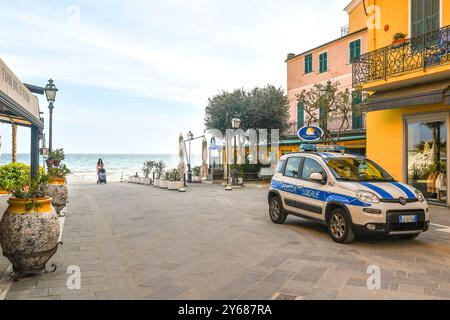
x=432, y=93
x=17, y=104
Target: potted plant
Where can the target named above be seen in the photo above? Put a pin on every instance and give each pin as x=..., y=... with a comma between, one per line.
x=196, y=178
x=399, y=40
x=57, y=187
x=159, y=170
x=148, y=168
x=165, y=181
x=55, y=157
x=175, y=182
x=29, y=229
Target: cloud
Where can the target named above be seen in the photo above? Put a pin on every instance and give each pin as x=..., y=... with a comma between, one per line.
x=178, y=52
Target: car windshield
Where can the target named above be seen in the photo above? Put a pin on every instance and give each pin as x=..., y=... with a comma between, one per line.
x=358, y=169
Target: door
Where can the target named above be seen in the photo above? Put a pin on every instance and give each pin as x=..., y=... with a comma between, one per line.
x=290, y=187
x=313, y=194
x=425, y=18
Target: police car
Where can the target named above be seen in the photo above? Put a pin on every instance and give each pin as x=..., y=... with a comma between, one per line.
x=348, y=193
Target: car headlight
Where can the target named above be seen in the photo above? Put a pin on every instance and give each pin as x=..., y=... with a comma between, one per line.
x=367, y=196
x=420, y=196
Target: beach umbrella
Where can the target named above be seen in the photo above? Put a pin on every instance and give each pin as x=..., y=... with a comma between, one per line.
x=204, y=169
x=182, y=149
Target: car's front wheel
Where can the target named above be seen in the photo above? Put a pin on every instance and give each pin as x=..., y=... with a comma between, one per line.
x=340, y=226
x=277, y=213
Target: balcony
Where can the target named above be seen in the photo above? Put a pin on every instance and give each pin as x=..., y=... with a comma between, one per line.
x=379, y=69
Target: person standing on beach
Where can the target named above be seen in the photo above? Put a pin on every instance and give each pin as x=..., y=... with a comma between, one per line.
x=100, y=165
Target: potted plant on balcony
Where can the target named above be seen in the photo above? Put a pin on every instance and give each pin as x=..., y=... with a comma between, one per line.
x=29, y=229
x=57, y=187
x=399, y=40
x=175, y=182
x=55, y=157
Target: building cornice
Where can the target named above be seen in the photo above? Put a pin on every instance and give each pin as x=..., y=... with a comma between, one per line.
x=352, y=5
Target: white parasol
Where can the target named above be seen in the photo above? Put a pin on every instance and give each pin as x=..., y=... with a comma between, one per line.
x=204, y=169
x=182, y=150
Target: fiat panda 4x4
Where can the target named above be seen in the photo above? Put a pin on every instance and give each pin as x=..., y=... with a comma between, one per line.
x=348, y=193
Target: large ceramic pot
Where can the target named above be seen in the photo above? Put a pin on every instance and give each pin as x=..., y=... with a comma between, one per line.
x=57, y=190
x=29, y=238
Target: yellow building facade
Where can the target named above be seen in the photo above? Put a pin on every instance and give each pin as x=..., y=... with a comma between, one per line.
x=407, y=75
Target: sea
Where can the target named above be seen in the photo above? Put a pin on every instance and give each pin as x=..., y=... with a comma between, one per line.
x=118, y=166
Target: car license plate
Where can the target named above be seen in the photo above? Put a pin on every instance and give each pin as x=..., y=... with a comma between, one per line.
x=408, y=219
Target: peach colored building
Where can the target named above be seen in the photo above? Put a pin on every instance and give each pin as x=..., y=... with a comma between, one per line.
x=330, y=61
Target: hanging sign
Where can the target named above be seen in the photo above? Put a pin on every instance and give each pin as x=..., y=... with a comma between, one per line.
x=310, y=134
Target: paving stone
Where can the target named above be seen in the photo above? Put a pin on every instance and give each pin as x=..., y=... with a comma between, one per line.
x=275, y=260
x=322, y=294
x=311, y=274
x=279, y=277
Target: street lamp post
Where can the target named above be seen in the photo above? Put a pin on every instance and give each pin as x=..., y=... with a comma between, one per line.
x=190, y=137
x=50, y=92
x=236, y=124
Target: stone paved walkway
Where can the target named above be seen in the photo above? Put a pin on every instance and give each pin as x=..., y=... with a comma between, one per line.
x=137, y=242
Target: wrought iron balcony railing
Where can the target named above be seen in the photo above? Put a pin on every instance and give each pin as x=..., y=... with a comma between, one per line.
x=428, y=50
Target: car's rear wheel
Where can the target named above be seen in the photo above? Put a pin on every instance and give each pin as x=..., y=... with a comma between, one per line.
x=340, y=226
x=277, y=213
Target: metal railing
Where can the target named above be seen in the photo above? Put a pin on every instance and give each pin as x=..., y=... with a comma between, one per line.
x=428, y=50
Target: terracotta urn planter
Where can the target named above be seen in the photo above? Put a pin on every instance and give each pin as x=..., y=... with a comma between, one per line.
x=29, y=238
x=399, y=43
x=57, y=190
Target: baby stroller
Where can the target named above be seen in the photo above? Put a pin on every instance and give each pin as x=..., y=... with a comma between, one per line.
x=101, y=176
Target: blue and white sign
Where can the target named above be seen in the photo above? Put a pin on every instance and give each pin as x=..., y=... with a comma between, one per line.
x=310, y=134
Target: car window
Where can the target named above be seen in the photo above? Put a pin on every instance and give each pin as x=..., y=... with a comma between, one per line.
x=355, y=169
x=281, y=166
x=312, y=166
x=292, y=167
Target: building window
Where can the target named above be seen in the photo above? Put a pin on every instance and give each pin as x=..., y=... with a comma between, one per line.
x=323, y=62
x=427, y=158
x=308, y=64
x=300, y=116
x=357, y=117
x=425, y=15
x=355, y=50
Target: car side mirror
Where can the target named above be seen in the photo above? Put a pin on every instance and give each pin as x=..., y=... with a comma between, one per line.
x=317, y=177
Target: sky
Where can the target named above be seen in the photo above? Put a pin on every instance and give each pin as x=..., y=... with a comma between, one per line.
x=132, y=75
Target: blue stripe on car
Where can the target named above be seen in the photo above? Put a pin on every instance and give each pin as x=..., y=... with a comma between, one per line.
x=381, y=192
x=408, y=192
x=317, y=194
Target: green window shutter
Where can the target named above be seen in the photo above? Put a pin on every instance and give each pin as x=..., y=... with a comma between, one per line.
x=357, y=118
x=355, y=50
x=308, y=64
x=300, y=115
x=323, y=62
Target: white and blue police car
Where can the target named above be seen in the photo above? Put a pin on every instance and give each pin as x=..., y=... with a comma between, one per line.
x=350, y=194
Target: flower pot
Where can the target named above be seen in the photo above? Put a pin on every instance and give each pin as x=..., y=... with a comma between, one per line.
x=29, y=238
x=399, y=43
x=2, y=193
x=57, y=190
x=157, y=183
x=50, y=163
x=164, y=184
x=147, y=181
x=175, y=185
x=56, y=163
